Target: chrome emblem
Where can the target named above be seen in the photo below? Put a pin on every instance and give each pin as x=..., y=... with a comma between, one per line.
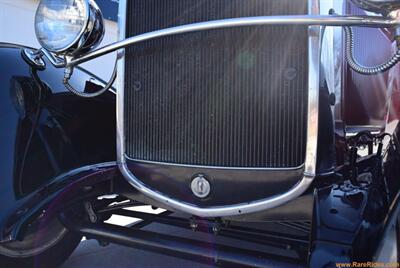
x=200, y=187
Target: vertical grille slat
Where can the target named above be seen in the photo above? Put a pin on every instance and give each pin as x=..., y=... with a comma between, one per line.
x=228, y=97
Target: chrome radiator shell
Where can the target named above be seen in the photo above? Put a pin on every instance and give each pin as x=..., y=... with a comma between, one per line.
x=250, y=206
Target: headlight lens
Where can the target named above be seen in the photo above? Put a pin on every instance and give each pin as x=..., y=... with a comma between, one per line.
x=59, y=24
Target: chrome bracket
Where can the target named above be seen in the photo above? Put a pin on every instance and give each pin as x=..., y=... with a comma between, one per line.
x=34, y=57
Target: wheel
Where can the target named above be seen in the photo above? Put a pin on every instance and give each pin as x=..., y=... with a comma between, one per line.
x=46, y=244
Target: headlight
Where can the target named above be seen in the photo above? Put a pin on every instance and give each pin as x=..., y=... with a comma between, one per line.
x=68, y=26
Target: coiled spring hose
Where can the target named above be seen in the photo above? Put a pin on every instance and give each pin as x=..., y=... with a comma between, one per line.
x=67, y=76
x=362, y=69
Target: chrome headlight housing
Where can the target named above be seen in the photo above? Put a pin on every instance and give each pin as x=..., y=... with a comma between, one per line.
x=69, y=26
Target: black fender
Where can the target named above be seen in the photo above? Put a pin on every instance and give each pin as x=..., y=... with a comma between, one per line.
x=48, y=136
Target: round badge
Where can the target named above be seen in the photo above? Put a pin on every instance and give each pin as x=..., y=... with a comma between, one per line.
x=200, y=187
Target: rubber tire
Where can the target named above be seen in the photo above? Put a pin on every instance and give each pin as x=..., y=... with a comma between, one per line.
x=50, y=258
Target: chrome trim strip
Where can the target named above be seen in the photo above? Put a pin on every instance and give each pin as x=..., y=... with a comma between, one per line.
x=122, y=7
x=314, y=57
x=211, y=167
x=307, y=20
x=312, y=124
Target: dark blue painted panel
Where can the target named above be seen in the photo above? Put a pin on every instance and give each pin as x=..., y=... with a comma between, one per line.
x=109, y=9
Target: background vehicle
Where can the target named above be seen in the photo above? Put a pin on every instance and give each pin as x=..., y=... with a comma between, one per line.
x=248, y=120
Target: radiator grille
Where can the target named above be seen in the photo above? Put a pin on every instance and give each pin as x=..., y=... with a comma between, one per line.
x=231, y=97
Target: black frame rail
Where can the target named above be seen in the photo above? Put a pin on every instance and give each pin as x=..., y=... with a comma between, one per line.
x=294, y=243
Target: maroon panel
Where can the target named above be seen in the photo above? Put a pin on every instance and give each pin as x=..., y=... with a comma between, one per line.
x=365, y=97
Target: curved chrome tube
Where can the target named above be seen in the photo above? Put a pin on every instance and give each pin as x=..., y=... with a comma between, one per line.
x=312, y=120
x=306, y=20
x=312, y=124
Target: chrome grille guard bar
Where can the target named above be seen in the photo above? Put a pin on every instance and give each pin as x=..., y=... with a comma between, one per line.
x=312, y=121
x=314, y=21
x=306, y=20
